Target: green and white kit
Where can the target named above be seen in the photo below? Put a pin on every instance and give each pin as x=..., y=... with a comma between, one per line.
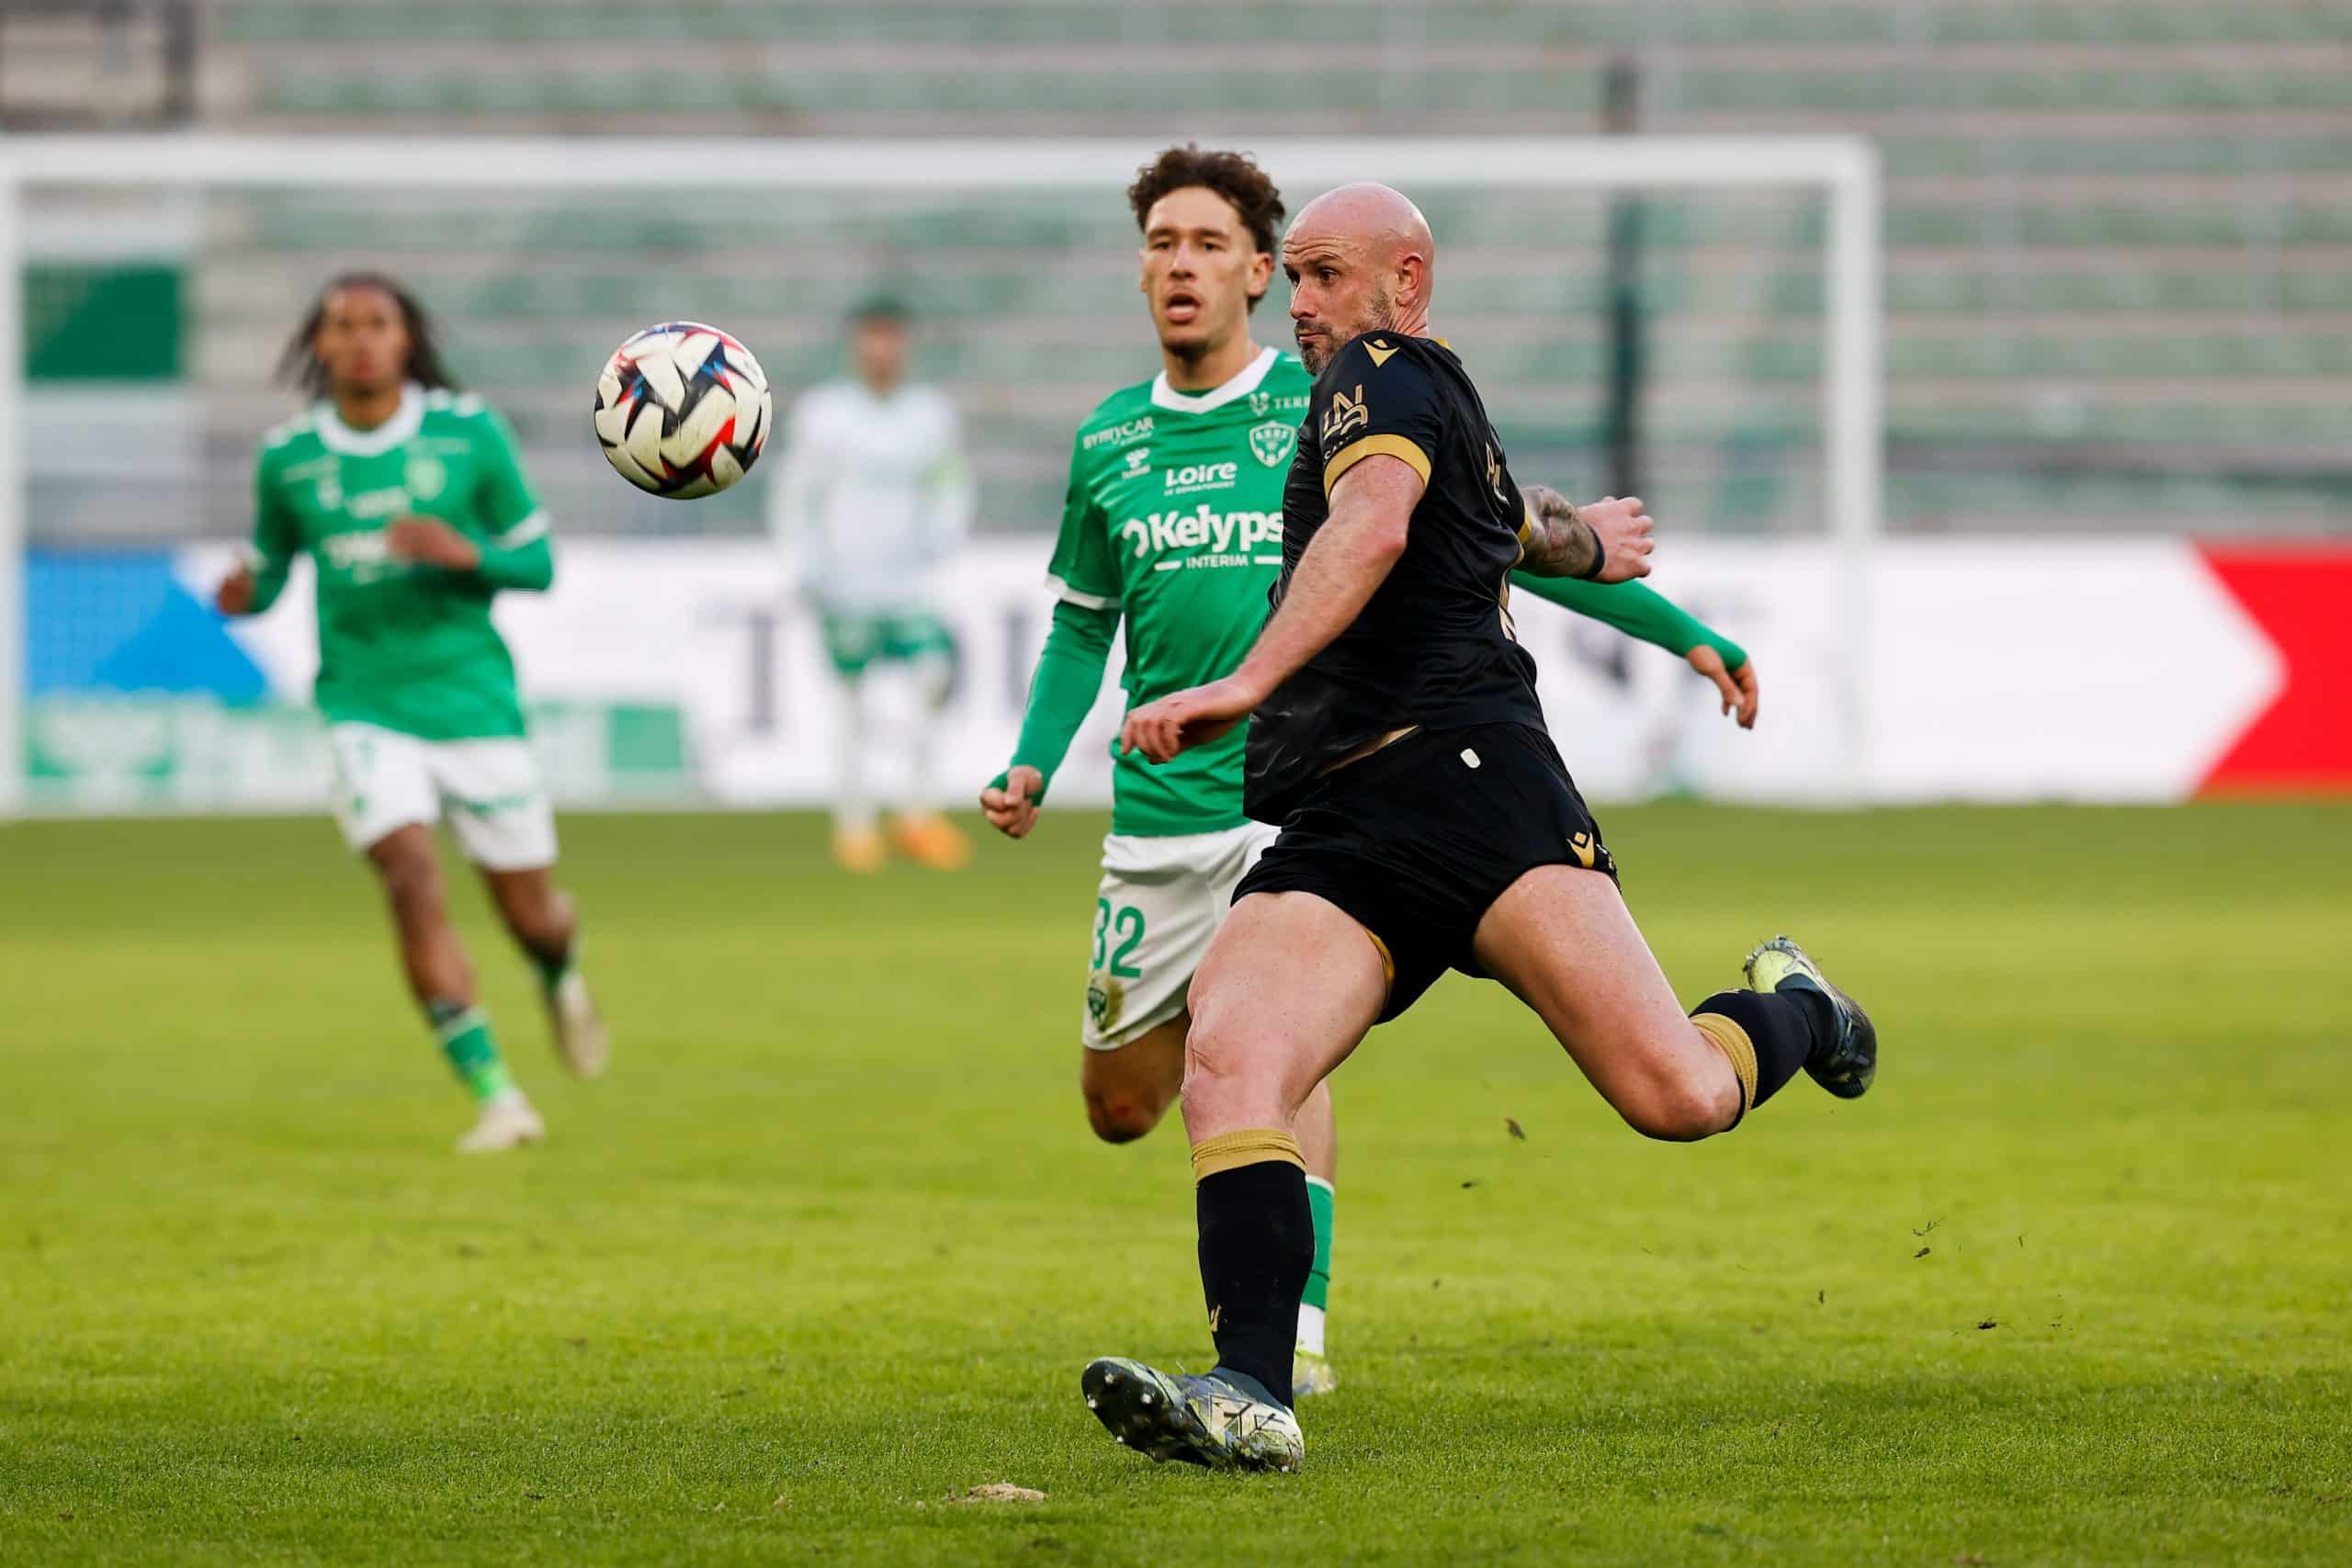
x=870, y=491
x=1173, y=524
x=416, y=685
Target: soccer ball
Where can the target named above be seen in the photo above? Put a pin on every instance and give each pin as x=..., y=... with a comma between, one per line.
x=681, y=410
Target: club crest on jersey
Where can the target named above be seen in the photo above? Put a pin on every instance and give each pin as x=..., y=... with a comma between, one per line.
x=426, y=476
x=1272, y=442
x=1347, y=412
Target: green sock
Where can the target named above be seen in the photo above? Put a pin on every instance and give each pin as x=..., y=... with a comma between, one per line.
x=1316, y=1298
x=472, y=1050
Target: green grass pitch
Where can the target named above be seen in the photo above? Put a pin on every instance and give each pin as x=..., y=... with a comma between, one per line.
x=830, y=1243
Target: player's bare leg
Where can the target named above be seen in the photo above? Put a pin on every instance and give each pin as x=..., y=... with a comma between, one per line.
x=545, y=923
x=1564, y=942
x=1129, y=1090
x=1288, y=989
x=431, y=956
x=442, y=979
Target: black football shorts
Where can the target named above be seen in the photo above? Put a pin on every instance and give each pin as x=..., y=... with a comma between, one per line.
x=1416, y=841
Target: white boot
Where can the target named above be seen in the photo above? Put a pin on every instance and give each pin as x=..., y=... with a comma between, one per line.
x=580, y=1037
x=507, y=1122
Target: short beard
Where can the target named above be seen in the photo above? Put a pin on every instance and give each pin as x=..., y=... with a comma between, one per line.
x=1381, y=316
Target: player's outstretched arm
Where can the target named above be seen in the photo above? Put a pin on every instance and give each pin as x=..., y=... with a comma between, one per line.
x=1606, y=542
x=1641, y=612
x=1070, y=673
x=1351, y=555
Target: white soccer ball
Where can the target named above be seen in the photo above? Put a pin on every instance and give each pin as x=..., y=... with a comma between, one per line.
x=681, y=410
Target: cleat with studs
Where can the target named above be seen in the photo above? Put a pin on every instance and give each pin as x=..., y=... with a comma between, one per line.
x=1201, y=1420
x=1844, y=1066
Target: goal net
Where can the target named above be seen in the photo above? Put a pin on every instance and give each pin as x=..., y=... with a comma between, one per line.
x=1709, y=308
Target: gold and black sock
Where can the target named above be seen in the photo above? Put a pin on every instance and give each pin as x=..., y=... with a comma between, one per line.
x=1257, y=1249
x=1768, y=1036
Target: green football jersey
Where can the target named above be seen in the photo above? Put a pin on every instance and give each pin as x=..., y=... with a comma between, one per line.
x=1174, y=518
x=407, y=647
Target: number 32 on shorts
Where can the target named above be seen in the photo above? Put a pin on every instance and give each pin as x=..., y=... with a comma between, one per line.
x=1118, y=933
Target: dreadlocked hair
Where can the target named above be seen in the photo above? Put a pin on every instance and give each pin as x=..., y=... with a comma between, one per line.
x=298, y=364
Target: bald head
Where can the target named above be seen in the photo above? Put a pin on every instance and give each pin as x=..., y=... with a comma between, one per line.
x=1359, y=259
x=1376, y=217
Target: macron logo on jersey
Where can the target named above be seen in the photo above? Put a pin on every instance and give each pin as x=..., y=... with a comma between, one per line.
x=1230, y=537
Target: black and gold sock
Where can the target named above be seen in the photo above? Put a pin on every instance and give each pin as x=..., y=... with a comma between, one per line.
x=1257, y=1248
x=1766, y=1036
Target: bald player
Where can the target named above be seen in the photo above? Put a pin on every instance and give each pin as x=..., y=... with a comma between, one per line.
x=1427, y=823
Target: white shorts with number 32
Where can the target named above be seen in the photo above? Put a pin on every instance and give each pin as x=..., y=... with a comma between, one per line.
x=490, y=790
x=1160, y=901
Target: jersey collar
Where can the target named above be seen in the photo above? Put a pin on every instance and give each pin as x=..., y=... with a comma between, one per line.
x=1164, y=396
x=406, y=421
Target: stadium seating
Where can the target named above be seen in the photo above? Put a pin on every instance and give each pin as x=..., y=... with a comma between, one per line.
x=2119, y=235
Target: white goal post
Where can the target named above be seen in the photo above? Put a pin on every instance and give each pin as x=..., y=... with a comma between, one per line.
x=1845, y=169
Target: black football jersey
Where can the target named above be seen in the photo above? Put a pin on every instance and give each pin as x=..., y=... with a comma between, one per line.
x=1434, y=647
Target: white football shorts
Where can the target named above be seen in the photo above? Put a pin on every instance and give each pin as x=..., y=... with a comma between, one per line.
x=490, y=791
x=1160, y=901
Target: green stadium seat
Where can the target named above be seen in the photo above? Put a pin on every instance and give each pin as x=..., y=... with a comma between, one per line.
x=2107, y=225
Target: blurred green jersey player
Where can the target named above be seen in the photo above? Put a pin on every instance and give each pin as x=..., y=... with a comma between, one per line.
x=407, y=499
x=872, y=495
x=1173, y=527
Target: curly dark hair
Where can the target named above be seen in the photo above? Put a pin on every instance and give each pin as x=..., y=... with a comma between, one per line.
x=1233, y=176
x=299, y=363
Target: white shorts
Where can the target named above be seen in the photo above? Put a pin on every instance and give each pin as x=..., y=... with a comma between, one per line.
x=490, y=790
x=1161, y=900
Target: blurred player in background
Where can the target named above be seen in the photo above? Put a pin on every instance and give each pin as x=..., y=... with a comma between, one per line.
x=409, y=502
x=1174, y=524
x=873, y=494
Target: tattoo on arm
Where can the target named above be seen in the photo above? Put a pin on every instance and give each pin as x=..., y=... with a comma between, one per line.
x=1560, y=543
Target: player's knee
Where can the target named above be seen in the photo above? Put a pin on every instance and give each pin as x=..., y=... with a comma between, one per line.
x=1682, y=1107
x=1211, y=1057
x=1120, y=1118
x=1224, y=1079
